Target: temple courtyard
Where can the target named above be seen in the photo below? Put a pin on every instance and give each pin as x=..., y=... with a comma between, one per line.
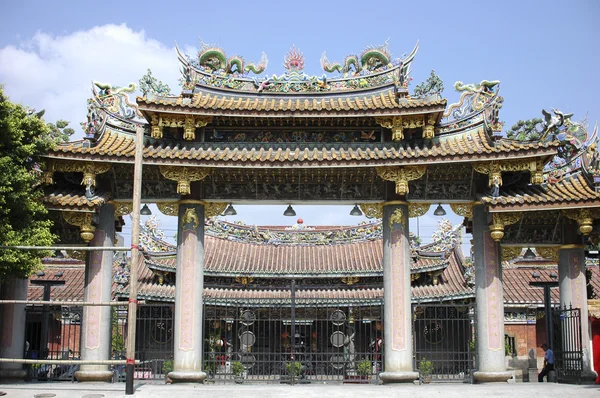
x=98, y=390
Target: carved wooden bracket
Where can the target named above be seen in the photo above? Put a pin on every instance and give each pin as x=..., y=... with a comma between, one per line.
x=418, y=209
x=512, y=252
x=501, y=220
x=494, y=170
x=394, y=124
x=89, y=169
x=463, y=209
x=184, y=176
x=189, y=124
x=123, y=208
x=372, y=210
x=584, y=217
x=168, y=208
x=401, y=175
x=428, y=128
x=156, y=131
x=83, y=221
x=548, y=252
x=212, y=209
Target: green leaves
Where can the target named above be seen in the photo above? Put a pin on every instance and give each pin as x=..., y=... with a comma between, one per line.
x=24, y=138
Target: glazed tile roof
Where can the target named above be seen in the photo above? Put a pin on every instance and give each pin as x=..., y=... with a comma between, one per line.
x=472, y=145
x=59, y=198
x=73, y=273
x=572, y=191
x=229, y=258
x=208, y=102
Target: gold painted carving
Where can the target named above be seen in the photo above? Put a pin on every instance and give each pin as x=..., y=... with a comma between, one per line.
x=494, y=170
x=168, y=208
x=462, y=209
x=428, y=129
x=548, y=252
x=184, y=176
x=372, y=210
x=89, y=169
x=83, y=221
x=393, y=123
x=189, y=130
x=413, y=121
x=77, y=254
x=122, y=208
x=509, y=253
x=418, y=209
x=212, y=209
x=401, y=175
x=501, y=220
x=49, y=173
x=350, y=280
x=190, y=217
x=397, y=218
x=244, y=280
x=584, y=217
x=156, y=131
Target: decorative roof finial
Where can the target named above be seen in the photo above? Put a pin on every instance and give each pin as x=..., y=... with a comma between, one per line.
x=294, y=60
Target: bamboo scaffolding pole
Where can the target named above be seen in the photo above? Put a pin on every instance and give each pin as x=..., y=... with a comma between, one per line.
x=71, y=303
x=76, y=248
x=133, y=270
x=66, y=361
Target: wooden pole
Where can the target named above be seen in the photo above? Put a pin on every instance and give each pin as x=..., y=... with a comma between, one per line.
x=133, y=272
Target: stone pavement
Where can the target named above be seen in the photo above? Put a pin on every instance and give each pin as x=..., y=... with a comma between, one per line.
x=101, y=390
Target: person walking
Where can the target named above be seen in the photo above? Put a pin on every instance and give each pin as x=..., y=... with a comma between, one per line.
x=548, y=363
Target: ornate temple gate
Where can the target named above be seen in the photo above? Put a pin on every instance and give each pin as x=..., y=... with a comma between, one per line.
x=444, y=334
x=568, y=350
x=316, y=340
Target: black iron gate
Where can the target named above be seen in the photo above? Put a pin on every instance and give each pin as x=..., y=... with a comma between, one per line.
x=443, y=336
x=313, y=340
x=568, y=351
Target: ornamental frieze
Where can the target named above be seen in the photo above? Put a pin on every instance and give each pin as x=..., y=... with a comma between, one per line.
x=531, y=235
x=418, y=209
x=184, y=176
x=83, y=221
x=439, y=190
x=372, y=210
x=494, y=170
x=462, y=209
x=501, y=220
x=89, y=169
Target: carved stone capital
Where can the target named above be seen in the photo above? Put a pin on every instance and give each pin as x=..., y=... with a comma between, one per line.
x=584, y=217
x=184, y=176
x=123, y=208
x=372, y=210
x=168, y=208
x=418, y=209
x=212, y=209
x=462, y=209
x=394, y=124
x=83, y=221
x=501, y=220
x=401, y=175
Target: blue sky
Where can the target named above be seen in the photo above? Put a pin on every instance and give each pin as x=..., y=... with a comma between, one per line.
x=546, y=54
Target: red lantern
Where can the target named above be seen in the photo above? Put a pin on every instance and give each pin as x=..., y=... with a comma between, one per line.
x=284, y=335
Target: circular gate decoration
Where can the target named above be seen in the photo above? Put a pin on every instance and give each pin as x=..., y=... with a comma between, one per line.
x=247, y=360
x=247, y=317
x=162, y=331
x=248, y=339
x=337, y=339
x=337, y=317
x=337, y=361
x=434, y=333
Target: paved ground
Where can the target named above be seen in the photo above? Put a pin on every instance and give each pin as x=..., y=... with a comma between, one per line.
x=99, y=390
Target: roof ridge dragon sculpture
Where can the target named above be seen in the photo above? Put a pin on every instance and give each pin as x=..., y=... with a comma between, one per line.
x=213, y=58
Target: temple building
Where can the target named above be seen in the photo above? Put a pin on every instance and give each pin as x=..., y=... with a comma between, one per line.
x=342, y=304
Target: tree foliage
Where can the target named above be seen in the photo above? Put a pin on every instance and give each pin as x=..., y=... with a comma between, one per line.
x=24, y=138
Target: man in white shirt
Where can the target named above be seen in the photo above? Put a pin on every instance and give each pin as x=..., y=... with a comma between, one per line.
x=548, y=362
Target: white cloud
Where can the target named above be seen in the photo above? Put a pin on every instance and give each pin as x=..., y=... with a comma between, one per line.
x=55, y=72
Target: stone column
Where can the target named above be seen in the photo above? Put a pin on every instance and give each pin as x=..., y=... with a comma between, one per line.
x=397, y=323
x=573, y=292
x=12, y=331
x=489, y=303
x=189, y=285
x=96, y=323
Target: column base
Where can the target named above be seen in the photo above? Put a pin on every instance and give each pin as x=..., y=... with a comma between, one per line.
x=93, y=375
x=491, y=377
x=588, y=375
x=398, y=377
x=13, y=374
x=178, y=376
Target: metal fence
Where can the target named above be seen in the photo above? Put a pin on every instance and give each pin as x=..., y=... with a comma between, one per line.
x=310, y=341
x=568, y=352
x=443, y=335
